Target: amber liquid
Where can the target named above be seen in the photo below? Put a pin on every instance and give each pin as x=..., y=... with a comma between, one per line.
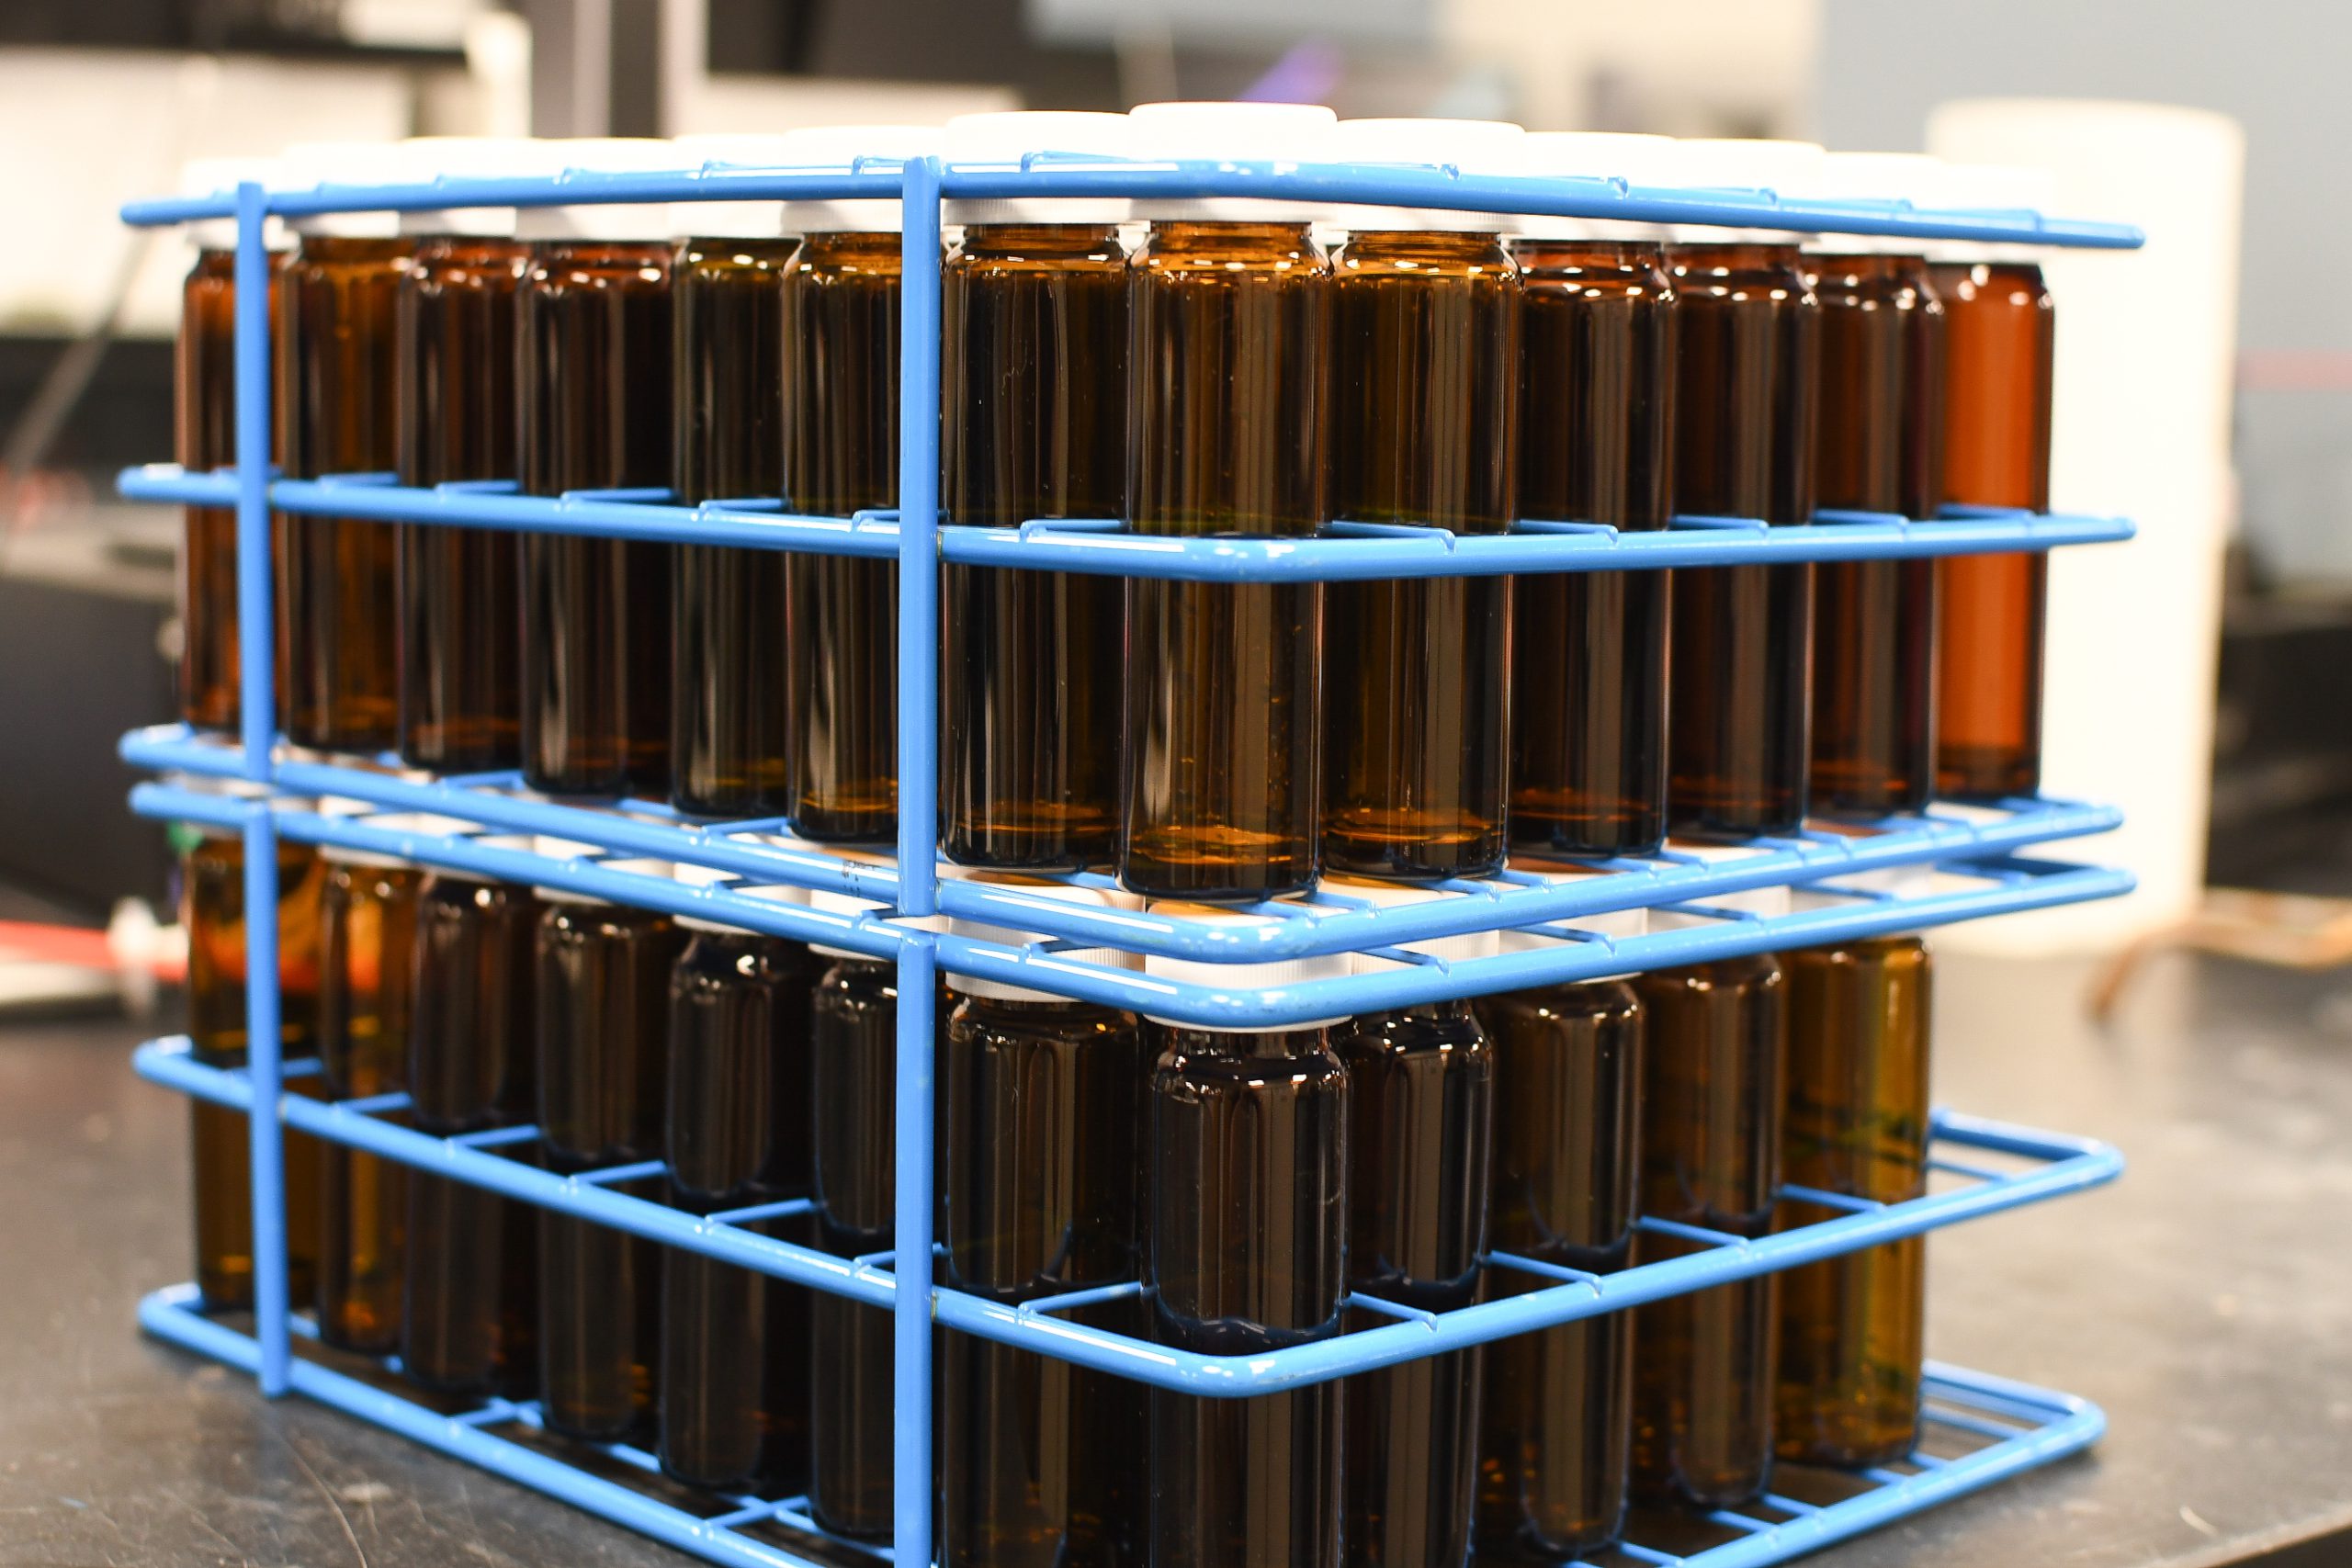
x=1852, y=1329
x=1246, y=1220
x=1880, y=449
x=1041, y=1462
x=594, y=414
x=853, y=1048
x=1748, y=339
x=469, y=1316
x=460, y=598
x=338, y=640
x=213, y=913
x=1588, y=766
x=735, y=1342
x=367, y=935
x=1999, y=328
x=1711, y=1157
x=840, y=455
x=730, y=709
x=204, y=438
x=1035, y=403
x=1420, y=1083
x=1228, y=404
x=1556, y=1421
x=604, y=982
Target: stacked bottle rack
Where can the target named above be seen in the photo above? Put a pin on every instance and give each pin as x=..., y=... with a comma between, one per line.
x=1980, y=1428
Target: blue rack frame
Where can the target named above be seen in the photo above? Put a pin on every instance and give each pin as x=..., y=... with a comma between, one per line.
x=2025, y=1427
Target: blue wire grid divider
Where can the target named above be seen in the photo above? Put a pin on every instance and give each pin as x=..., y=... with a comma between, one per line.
x=1999, y=1429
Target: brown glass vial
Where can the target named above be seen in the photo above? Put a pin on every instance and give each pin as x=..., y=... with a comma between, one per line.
x=593, y=403
x=337, y=635
x=367, y=944
x=840, y=456
x=603, y=978
x=205, y=438
x=470, y=1312
x=212, y=911
x=1999, y=327
x=854, y=1054
x=1588, y=765
x=1711, y=1157
x=735, y=1342
x=1880, y=448
x=1852, y=1329
x=460, y=597
x=731, y=706
x=1034, y=389
x=1748, y=338
x=1556, y=1420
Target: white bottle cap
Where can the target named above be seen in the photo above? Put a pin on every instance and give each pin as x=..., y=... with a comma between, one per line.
x=997, y=141
x=1788, y=170
x=1060, y=892
x=1894, y=881
x=1592, y=155
x=840, y=147
x=826, y=900
x=419, y=822
x=730, y=219
x=1395, y=895
x=1616, y=925
x=221, y=176
x=1768, y=902
x=1231, y=132
x=1895, y=179
x=1468, y=146
x=1239, y=977
x=2003, y=189
x=309, y=164
x=707, y=876
x=605, y=221
x=469, y=158
x=566, y=849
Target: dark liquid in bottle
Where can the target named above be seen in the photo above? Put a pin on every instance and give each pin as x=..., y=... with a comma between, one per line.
x=840, y=455
x=460, y=600
x=1420, y=1083
x=1880, y=449
x=213, y=913
x=1748, y=338
x=1852, y=1327
x=1996, y=426
x=367, y=934
x=735, y=1342
x=1041, y=1462
x=337, y=638
x=1229, y=401
x=1556, y=1422
x=853, y=1048
x=1248, y=1223
x=1589, y=652
x=1035, y=395
x=731, y=711
x=595, y=402
x=1711, y=1157
x=204, y=438
x=469, y=1319
x=604, y=981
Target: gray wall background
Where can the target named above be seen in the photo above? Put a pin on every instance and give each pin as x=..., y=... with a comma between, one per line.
x=2279, y=67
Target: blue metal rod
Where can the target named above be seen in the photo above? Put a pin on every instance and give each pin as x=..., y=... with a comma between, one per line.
x=266, y=1136
x=919, y=629
x=912, y=1313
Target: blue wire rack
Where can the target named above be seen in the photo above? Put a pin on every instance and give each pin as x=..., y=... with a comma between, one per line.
x=2013, y=1427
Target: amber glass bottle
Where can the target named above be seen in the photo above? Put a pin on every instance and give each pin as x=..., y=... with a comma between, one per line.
x=735, y=1342
x=1556, y=1421
x=730, y=708
x=469, y=1316
x=1749, y=331
x=205, y=437
x=594, y=400
x=1588, y=763
x=212, y=911
x=367, y=943
x=603, y=978
x=1851, y=1327
x=460, y=600
x=1999, y=325
x=1880, y=448
x=1036, y=396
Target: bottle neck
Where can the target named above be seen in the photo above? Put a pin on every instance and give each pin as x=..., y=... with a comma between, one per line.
x=1252, y=238
x=1040, y=239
